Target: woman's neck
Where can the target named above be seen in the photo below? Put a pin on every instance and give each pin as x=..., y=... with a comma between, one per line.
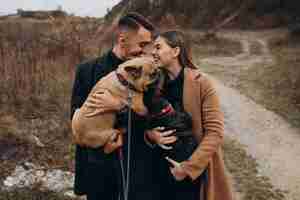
x=174, y=70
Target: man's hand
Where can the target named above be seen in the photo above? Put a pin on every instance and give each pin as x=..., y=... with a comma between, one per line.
x=177, y=170
x=160, y=137
x=104, y=101
x=114, y=143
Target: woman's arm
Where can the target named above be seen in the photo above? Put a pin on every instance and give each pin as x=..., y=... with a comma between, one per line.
x=213, y=128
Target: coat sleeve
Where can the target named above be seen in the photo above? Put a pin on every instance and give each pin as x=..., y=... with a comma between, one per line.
x=78, y=96
x=79, y=90
x=213, y=130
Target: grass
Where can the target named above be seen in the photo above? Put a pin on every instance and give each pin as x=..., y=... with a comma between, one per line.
x=255, y=49
x=215, y=46
x=37, y=62
x=244, y=169
x=31, y=194
x=276, y=86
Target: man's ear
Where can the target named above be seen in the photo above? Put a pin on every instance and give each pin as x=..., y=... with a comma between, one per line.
x=134, y=71
x=121, y=39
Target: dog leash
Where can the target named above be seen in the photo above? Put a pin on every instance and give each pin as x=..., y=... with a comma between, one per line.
x=128, y=143
x=126, y=180
x=121, y=159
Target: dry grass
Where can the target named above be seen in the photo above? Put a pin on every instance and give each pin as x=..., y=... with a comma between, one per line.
x=37, y=59
x=215, y=46
x=37, y=63
x=244, y=169
x=31, y=194
x=255, y=49
x=276, y=86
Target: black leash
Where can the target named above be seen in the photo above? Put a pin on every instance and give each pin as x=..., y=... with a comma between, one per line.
x=126, y=179
x=121, y=159
x=128, y=144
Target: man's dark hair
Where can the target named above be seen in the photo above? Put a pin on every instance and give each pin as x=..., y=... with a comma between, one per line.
x=134, y=20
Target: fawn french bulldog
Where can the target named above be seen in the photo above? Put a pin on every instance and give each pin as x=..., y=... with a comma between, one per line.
x=93, y=128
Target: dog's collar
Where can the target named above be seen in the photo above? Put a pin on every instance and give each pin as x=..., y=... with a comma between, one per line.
x=165, y=111
x=124, y=82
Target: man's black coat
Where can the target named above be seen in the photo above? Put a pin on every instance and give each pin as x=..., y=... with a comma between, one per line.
x=95, y=170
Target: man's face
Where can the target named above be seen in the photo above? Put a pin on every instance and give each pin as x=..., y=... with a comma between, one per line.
x=135, y=43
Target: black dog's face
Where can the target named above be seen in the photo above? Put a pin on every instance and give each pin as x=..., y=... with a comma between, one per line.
x=164, y=115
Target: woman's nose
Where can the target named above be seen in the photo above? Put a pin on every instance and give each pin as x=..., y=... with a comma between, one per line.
x=153, y=52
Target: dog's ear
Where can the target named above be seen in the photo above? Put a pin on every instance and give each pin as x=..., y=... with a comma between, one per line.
x=134, y=71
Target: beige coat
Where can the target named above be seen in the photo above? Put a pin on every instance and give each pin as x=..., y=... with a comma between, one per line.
x=201, y=101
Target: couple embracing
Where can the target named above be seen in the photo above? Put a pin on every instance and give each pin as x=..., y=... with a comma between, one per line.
x=158, y=170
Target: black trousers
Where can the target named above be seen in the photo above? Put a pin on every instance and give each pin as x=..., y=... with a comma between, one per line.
x=185, y=189
x=179, y=190
x=103, y=180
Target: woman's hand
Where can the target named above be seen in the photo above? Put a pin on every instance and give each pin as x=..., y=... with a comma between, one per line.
x=177, y=170
x=104, y=102
x=160, y=137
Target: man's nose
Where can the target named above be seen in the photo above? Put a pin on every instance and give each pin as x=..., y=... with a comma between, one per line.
x=136, y=53
x=139, y=54
x=139, y=51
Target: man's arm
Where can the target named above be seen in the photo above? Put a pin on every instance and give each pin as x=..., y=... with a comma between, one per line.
x=80, y=90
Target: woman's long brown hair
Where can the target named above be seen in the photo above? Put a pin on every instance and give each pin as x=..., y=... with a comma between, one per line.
x=176, y=38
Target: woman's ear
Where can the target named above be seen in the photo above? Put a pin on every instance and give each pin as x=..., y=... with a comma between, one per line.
x=176, y=52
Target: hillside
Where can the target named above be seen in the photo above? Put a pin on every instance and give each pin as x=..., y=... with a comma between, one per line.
x=209, y=13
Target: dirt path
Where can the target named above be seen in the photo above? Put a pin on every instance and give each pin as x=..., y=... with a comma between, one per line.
x=266, y=137
x=247, y=58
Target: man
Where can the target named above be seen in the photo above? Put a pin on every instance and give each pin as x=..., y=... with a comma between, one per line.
x=98, y=174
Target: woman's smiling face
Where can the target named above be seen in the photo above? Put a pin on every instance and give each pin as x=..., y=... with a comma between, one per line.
x=163, y=53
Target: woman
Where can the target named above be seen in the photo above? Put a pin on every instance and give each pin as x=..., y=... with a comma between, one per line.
x=188, y=87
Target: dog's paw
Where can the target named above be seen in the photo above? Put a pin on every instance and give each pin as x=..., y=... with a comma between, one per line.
x=142, y=111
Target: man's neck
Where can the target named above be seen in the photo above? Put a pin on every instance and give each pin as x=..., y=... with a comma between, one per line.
x=117, y=51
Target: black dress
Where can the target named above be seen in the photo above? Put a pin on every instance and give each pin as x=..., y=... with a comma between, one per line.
x=185, y=189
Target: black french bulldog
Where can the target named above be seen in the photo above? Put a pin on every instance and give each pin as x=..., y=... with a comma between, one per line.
x=163, y=114
x=171, y=117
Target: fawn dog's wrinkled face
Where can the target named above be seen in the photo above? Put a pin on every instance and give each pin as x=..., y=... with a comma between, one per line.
x=140, y=72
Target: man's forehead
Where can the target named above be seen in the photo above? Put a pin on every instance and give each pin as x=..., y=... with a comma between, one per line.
x=144, y=34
